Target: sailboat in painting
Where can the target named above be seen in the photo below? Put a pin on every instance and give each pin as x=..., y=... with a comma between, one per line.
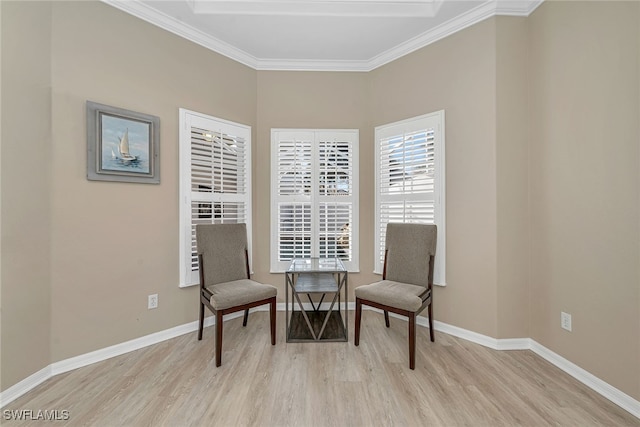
x=123, y=147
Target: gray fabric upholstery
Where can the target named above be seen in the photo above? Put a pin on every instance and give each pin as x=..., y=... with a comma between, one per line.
x=409, y=247
x=239, y=292
x=223, y=248
x=224, y=261
x=395, y=294
x=409, y=250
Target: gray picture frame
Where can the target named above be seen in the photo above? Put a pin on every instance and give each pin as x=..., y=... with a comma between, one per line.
x=122, y=145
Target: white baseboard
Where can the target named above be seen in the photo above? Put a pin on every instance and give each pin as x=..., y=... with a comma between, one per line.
x=119, y=349
x=66, y=365
x=621, y=399
x=494, y=343
x=24, y=386
x=616, y=396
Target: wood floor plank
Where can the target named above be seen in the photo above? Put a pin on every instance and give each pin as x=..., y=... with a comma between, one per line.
x=455, y=383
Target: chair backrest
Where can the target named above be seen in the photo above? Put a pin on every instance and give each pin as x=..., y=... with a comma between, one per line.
x=409, y=253
x=223, y=248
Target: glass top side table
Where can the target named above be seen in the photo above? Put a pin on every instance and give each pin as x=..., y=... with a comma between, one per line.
x=316, y=276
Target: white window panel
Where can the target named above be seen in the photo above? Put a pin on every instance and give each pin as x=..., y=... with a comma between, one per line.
x=410, y=183
x=335, y=235
x=215, y=181
x=314, y=196
x=294, y=221
x=294, y=165
x=407, y=163
x=335, y=168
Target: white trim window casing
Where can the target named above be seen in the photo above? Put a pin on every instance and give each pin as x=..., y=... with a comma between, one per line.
x=215, y=181
x=410, y=181
x=314, y=196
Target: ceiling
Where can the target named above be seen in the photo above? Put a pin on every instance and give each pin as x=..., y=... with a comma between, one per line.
x=326, y=35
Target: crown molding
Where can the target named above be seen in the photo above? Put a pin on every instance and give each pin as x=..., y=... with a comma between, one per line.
x=168, y=23
x=517, y=7
x=483, y=11
x=459, y=23
x=312, y=65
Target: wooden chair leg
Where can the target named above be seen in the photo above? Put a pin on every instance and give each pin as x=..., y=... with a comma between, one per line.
x=272, y=320
x=412, y=341
x=386, y=318
x=246, y=317
x=218, y=338
x=356, y=339
x=201, y=322
x=431, y=331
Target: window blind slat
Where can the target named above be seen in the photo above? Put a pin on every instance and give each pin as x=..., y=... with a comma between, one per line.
x=335, y=221
x=315, y=191
x=294, y=221
x=219, y=176
x=406, y=173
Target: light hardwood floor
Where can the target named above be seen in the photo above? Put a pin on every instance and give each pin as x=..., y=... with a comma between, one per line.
x=455, y=383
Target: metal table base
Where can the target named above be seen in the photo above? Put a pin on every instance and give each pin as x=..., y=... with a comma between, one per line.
x=316, y=276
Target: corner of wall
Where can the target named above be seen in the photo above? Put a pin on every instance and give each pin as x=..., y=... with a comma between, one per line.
x=512, y=178
x=25, y=251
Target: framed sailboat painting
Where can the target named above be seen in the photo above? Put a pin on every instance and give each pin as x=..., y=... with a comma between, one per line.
x=122, y=145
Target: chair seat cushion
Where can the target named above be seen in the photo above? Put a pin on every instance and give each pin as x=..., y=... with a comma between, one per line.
x=395, y=294
x=239, y=292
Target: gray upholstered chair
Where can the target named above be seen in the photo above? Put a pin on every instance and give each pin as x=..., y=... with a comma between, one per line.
x=407, y=279
x=225, y=284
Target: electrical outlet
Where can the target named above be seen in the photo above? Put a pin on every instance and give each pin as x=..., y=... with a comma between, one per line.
x=565, y=321
x=153, y=301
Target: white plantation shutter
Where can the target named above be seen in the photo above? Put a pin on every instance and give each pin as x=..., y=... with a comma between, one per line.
x=314, y=196
x=294, y=222
x=336, y=202
x=215, y=181
x=410, y=180
x=294, y=165
x=293, y=195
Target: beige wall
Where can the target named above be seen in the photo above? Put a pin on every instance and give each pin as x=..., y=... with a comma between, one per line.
x=115, y=243
x=26, y=209
x=512, y=177
x=584, y=186
x=542, y=175
x=311, y=100
x=457, y=74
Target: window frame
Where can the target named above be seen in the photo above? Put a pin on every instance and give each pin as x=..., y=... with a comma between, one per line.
x=187, y=120
x=317, y=136
x=435, y=120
